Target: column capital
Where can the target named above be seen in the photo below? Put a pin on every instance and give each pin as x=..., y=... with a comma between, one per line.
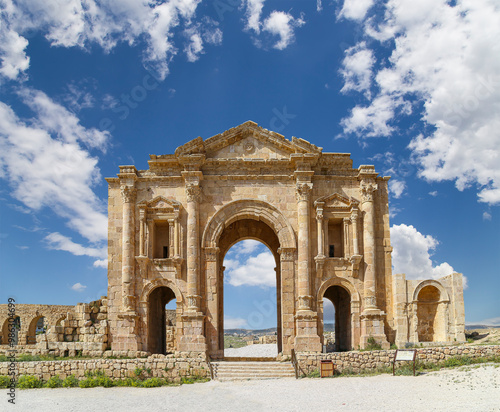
x=303, y=191
x=193, y=192
x=211, y=254
x=367, y=190
x=129, y=194
x=287, y=254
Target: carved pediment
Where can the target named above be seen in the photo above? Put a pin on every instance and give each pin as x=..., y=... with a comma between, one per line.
x=161, y=203
x=336, y=201
x=247, y=140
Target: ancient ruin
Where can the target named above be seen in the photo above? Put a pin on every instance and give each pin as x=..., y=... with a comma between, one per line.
x=325, y=222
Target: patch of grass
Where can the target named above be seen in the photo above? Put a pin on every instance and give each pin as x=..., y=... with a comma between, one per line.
x=153, y=383
x=193, y=379
x=313, y=374
x=233, y=342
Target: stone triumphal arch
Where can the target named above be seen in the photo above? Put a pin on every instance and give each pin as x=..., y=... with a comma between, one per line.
x=325, y=222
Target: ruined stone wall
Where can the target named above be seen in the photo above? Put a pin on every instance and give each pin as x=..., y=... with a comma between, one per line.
x=358, y=361
x=29, y=316
x=172, y=367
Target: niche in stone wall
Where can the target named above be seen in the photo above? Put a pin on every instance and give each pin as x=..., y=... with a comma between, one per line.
x=335, y=238
x=428, y=311
x=161, y=244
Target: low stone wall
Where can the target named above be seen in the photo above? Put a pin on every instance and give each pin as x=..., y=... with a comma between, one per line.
x=172, y=367
x=357, y=361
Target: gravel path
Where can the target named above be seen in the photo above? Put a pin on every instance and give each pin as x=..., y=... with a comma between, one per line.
x=253, y=351
x=464, y=389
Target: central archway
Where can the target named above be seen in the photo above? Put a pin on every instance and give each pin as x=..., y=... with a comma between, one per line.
x=240, y=220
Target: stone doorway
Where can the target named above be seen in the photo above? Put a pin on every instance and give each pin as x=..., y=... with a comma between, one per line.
x=341, y=300
x=157, y=320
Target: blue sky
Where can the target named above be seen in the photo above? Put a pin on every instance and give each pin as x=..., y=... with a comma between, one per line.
x=85, y=86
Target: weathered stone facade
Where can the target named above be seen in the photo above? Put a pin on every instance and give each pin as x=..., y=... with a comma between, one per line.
x=325, y=222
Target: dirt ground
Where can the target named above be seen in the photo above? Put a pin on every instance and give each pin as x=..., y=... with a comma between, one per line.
x=469, y=388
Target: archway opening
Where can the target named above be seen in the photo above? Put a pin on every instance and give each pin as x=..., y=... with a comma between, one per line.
x=37, y=326
x=171, y=326
x=427, y=311
x=328, y=325
x=250, y=291
x=16, y=329
x=158, y=300
x=341, y=300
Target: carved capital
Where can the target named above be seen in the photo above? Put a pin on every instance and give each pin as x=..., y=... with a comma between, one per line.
x=303, y=191
x=193, y=192
x=370, y=302
x=129, y=194
x=287, y=254
x=367, y=190
x=211, y=254
x=305, y=302
x=354, y=216
x=193, y=302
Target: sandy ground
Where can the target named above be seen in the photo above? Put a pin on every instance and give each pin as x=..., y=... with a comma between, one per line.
x=253, y=351
x=464, y=389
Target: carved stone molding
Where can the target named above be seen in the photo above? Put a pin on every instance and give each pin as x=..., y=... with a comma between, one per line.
x=305, y=302
x=129, y=194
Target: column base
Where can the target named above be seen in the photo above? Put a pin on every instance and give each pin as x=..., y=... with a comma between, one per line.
x=372, y=328
x=192, y=339
x=127, y=338
x=307, y=338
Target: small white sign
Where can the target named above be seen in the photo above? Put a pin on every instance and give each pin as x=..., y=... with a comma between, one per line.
x=405, y=355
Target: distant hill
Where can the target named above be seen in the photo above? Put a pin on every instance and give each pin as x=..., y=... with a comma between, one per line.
x=329, y=327
x=480, y=326
x=246, y=332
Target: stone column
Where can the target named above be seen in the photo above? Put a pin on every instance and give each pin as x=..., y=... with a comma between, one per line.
x=193, y=194
x=355, y=243
x=370, y=299
x=177, y=236
x=307, y=338
x=321, y=235
x=346, y=237
x=303, y=217
x=142, y=225
x=128, y=246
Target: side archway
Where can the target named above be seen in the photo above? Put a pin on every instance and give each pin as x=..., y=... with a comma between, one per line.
x=345, y=298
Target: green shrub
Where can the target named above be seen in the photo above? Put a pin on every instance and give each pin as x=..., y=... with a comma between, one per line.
x=153, y=383
x=28, y=382
x=128, y=382
x=4, y=381
x=105, y=381
x=88, y=383
x=54, y=382
x=70, y=382
x=372, y=344
x=314, y=374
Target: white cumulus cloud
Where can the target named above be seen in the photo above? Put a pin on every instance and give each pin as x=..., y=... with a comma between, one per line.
x=78, y=287
x=356, y=9
x=445, y=63
x=397, y=187
x=278, y=23
x=412, y=254
x=252, y=271
x=47, y=163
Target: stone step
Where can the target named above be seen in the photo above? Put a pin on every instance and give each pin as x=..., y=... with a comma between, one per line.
x=243, y=370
